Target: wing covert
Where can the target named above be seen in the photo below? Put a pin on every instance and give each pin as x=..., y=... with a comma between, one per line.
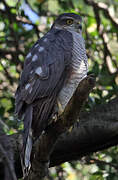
x=44, y=66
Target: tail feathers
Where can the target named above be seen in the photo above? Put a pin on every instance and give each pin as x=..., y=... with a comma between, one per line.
x=27, y=141
x=25, y=156
x=28, y=154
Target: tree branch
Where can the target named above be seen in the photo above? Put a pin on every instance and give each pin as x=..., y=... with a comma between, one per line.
x=96, y=130
x=45, y=146
x=47, y=142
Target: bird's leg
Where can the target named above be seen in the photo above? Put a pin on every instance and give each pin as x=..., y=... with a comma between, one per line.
x=60, y=108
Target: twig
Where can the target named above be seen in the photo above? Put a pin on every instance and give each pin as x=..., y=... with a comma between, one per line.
x=90, y=160
x=97, y=7
x=6, y=73
x=105, y=9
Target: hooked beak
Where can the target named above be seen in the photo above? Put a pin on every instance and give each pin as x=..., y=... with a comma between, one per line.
x=78, y=27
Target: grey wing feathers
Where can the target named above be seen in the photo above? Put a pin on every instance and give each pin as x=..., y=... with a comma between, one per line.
x=43, y=76
x=51, y=57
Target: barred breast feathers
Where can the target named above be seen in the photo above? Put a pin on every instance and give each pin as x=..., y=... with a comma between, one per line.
x=79, y=67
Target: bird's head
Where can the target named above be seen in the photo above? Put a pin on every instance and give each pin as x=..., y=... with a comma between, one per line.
x=69, y=21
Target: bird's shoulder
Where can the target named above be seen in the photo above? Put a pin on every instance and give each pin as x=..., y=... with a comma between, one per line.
x=55, y=39
x=55, y=46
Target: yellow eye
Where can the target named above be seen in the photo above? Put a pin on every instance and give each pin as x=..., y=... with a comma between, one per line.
x=69, y=21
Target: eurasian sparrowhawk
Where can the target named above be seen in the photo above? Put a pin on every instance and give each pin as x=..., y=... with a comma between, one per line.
x=52, y=71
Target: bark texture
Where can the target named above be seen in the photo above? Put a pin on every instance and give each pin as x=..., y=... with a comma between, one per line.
x=95, y=131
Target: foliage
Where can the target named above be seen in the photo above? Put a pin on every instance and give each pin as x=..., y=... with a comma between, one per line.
x=18, y=32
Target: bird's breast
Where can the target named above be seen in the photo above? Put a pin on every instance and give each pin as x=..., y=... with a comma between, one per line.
x=78, y=70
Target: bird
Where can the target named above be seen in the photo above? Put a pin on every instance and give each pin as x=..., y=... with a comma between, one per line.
x=52, y=71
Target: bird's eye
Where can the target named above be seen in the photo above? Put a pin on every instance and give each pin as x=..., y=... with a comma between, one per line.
x=69, y=21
